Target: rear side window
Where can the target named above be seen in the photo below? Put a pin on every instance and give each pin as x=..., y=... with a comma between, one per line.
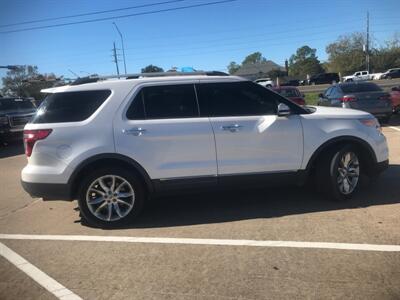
x=236, y=99
x=359, y=88
x=70, y=106
x=164, y=102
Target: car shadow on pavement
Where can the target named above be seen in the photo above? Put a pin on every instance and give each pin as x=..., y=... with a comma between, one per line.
x=236, y=205
x=11, y=149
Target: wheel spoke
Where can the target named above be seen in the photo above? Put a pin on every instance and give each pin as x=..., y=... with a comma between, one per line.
x=100, y=208
x=103, y=185
x=118, y=211
x=120, y=186
x=97, y=191
x=124, y=195
x=124, y=202
x=112, y=183
x=96, y=200
x=109, y=207
x=346, y=185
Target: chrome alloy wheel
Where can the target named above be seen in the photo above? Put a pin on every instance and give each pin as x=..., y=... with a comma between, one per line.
x=349, y=173
x=110, y=198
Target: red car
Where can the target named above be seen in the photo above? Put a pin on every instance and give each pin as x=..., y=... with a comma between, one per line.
x=395, y=97
x=290, y=92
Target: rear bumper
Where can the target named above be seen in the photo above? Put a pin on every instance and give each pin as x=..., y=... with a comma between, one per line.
x=48, y=191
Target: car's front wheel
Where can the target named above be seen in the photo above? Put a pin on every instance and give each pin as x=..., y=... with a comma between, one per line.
x=110, y=197
x=338, y=173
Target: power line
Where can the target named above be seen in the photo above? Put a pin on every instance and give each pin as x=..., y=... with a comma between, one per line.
x=118, y=17
x=91, y=13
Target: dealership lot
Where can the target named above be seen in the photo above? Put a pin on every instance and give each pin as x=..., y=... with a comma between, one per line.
x=119, y=268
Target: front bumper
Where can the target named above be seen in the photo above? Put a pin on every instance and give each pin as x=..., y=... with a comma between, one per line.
x=48, y=191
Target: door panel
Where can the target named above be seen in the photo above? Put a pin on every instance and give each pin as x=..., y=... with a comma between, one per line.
x=169, y=148
x=161, y=129
x=258, y=144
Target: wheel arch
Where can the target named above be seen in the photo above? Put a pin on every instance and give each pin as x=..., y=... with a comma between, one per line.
x=366, y=152
x=108, y=159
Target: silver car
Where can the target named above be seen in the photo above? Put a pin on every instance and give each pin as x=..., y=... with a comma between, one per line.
x=366, y=96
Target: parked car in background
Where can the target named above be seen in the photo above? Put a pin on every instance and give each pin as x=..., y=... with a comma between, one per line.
x=291, y=82
x=267, y=82
x=376, y=76
x=14, y=114
x=395, y=97
x=291, y=93
x=366, y=96
x=324, y=78
x=394, y=73
x=357, y=76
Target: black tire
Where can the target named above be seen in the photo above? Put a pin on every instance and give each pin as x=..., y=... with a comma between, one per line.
x=327, y=173
x=137, y=200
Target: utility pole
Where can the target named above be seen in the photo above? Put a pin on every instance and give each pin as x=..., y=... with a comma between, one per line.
x=367, y=46
x=116, y=59
x=123, y=47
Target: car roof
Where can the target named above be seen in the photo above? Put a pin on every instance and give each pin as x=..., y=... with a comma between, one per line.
x=355, y=83
x=116, y=83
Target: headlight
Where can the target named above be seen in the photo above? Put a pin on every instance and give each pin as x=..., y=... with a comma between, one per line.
x=371, y=122
x=3, y=120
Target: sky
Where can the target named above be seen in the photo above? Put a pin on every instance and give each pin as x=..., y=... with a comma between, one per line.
x=205, y=38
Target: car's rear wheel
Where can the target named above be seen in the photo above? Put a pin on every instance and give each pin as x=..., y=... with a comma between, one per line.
x=338, y=173
x=110, y=197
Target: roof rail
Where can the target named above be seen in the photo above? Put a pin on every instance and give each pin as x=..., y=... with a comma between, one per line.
x=90, y=79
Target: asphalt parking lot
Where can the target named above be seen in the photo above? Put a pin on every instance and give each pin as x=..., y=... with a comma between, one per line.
x=208, y=246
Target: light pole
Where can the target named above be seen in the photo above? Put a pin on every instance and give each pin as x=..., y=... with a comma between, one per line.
x=123, y=48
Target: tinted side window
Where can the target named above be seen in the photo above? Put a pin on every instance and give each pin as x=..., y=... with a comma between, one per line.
x=170, y=101
x=136, y=109
x=236, y=99
x=70, y=106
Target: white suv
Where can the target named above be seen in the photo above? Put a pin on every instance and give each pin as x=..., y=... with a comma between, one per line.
x=113, y=143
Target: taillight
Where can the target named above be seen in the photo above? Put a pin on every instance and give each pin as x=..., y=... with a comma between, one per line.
x=31, y=136
x=384, y=97
x=348, y=98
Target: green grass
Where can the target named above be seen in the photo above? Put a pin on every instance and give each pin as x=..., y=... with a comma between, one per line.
x=311, y=98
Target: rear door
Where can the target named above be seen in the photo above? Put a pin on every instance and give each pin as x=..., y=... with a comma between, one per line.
x=161, y=129
x=249, y=136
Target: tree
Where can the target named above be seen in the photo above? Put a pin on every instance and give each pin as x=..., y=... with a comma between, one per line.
x=152, y=69
x=346, y=54
x=26, y=81
x=303, y=62
x=254, y=58
x=387, y=56
x=233, y=67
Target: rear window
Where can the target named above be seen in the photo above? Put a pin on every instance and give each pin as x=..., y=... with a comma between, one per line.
x=70, y=106
x=288, y=93
x=15, y=104
x=359, y=88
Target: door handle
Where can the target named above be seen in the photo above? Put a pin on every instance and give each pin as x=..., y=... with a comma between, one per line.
x=232, y=128
x=134, y=131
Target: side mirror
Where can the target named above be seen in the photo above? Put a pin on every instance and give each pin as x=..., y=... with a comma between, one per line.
x=321, y=95
x=283, y=110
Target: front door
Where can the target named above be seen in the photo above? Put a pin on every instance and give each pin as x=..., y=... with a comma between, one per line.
x=249, y=136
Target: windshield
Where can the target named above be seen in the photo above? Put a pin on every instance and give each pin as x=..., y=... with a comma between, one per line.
x=15, y=104
x=288, y=93
x=360, y=88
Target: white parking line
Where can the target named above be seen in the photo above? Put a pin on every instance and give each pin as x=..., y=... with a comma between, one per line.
x=395, y=128
x=215, y=242
x=39, y=276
